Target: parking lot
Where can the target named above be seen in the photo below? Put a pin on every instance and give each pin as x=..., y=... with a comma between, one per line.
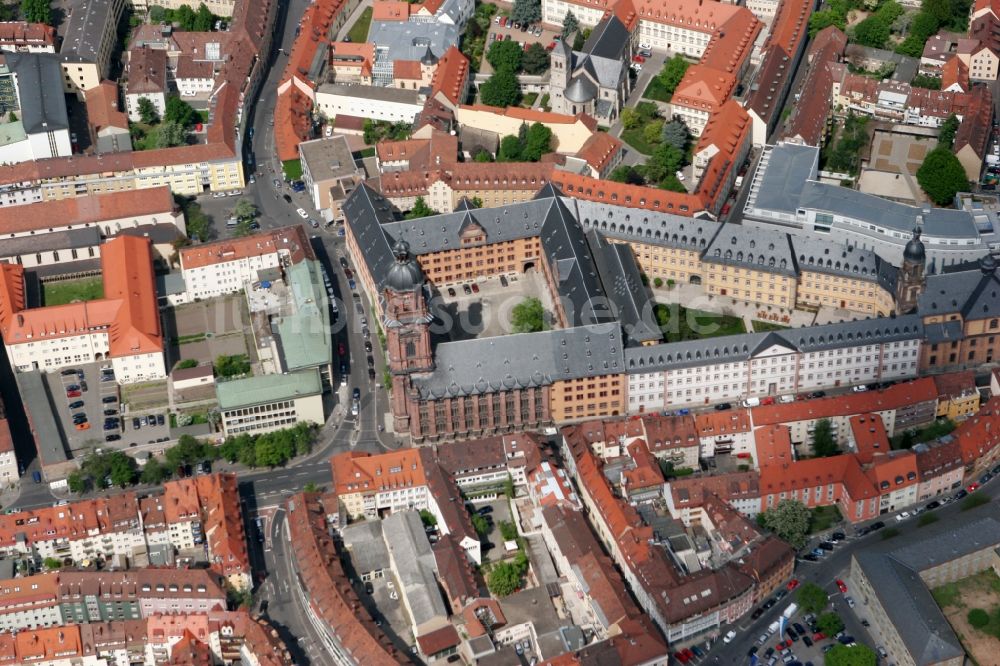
x=386, y=608
x=483, y=308
x=498, y=512
x=81, y=403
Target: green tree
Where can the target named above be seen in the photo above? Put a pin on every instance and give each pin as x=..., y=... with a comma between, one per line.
x=188, y=451
x=503, y=579
x=154, y=472
x=823, y=19
x=198, y=224
x=232, y=366
x=245, y=210
x=501, y=89
x=676, y=134
x=507, y=530
x=978, y=618
x=123, y=470
x=939, y=9
x=203, y=19
x=653, y=131
x=428, y=518
x=535, y=60
x=51, y=563
x=824, y=443
x=170, y=134
x=147, y=111
x=12, y=117
x=527, y=12
x=157, y=14
x=180, y=112
x=663, y=163
x=538, y=142
x=481, y=525
x=483, y=156
x=812, y=598
x=475, y=202
x=625, y=173
x=505, y=55
x=185, y=17
x=873, y=32
x=854, y=655
x=570, y=24
x=36, y=11
x=789, y=520
x=420, y=209
x=631, y=119
x=186, y=363
x=926, y=81
x=510, y=149
x=927, y=519
x=829, y=623
x=946, y=135
x=579, y=39
x=77, y=482
x=672, y=73
x=941, y=176
x=528, y=316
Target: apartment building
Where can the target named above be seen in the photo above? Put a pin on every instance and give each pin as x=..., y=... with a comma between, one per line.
x=78, y=596
x=700, y=94
x=123, y=327
x=896, y=583
x=147, y=79
x=201, y=512
x=228, y=266
x=27, y=37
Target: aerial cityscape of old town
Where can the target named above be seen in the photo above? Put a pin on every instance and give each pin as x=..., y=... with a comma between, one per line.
x=500, y=332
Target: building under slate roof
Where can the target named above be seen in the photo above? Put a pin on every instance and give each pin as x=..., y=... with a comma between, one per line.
x=602, y=53
x=740, y=348
x=525, y=360
x=415, y=566
x=623, y=281
x=894, y=573
x=39, y=91
x=975, y=294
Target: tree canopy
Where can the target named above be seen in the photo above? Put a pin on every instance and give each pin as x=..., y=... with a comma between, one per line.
x=855, y=655
x=36, y=11
x=420, y=209
x=535, y=60
x=570, y=24
x=789, y=520
x=946, y=135
x=501, y=89
x=527, y=12
x=147, y=111
x=812, y=598
x=676, y=134
x=830, y=623
x=180, y=112
x=824, y=442
x=232, y=366
x=505, y=55
x=673, y=71
x=528, y=316
x=941, y=176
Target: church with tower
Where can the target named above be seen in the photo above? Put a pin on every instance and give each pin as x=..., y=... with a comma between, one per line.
x=911, y=279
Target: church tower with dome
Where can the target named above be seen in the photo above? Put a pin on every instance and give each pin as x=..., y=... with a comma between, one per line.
x=912, y=277
x=407, y=329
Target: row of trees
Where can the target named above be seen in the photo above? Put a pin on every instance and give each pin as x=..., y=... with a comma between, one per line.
x=187, y=19
x=528, y=145
x=874, y=30
x=510, y=56
x=35, y=11
x=172, y=130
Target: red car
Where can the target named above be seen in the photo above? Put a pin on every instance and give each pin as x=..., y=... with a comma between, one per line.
x=638, y=58
x=73, y=394
x=818, y=636
x=841, y=585
x=769, y=400
x=681, y=657
x=687, y=653
x=342, y=349
x=792, y=584
x=475, y=288
x=973, y=487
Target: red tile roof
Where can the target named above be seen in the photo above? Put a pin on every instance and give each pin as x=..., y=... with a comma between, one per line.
x=894, y=397
x=703, y=88
x=128, y=308
x=954, y=72
x=774, y=445
x=390, y=10
x=869, y=437
x=147, y=71
x=974, y=131
x=599, y=150
x=92, y=209
x=438, y=640
x=292, y=239
x=451, y=76
x=103, y=109
x=894, y=471
x=22, y=33
x=406, y=69
x=633, y=196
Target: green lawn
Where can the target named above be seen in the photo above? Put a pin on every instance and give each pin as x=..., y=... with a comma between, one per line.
x=359, y=31
x=292, y=169
x=634, y=138
x=679, y=323
x=760, y=326
x=529, y=100
x=655, y=90
x=59, y=293
x=823, y=517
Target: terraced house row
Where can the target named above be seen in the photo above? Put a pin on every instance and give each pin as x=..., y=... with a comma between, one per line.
x=195, y=518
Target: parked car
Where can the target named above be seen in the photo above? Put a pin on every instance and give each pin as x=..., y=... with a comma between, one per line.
x=860, y=388
x=933, y=505
x=160, y=420
x=76, y=404
x=135, y=424
x=838, y=536
x=723, y=406
x=108, y=399
x=792, y=584
x=68, y=371
x=467, y=289
x=841, y=585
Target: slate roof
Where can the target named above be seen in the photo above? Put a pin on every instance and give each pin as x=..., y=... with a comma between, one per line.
x=408, y=40
x=894, y=574
x=602, y=54
x=973, y=294
x=623, y=282
x=486, y=365
x=737, y=245
x=787, y=185
x=740, y=348
x=39, y=91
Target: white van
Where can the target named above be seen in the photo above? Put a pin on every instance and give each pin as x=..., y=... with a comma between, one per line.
x=751, y=402
x=790, y=611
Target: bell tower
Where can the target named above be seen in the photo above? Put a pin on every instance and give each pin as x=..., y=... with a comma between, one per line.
x=407, y=330
x=912, y=275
